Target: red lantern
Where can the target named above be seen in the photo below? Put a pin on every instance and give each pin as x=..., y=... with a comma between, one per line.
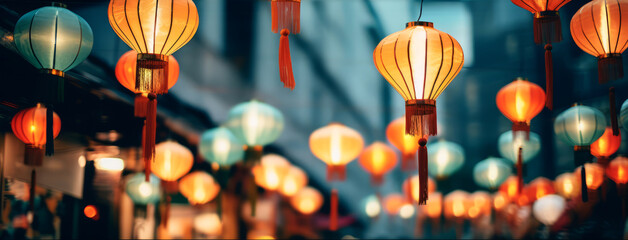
x=605, y=146
x=286, y=16
x=520, y=101
x=406, y=143
x=538, y=188
x=378, y=159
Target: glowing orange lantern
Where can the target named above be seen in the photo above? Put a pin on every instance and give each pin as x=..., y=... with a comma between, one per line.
x=307, y=201
x=286, y=15
x=412, y=185
x=565, y=185
x=378, y=159
x=594, y=175
x=456, y=204
x=406, y=143
x=538, y=188
x=605, y=146
x=154, y=37
x=520, y=101
x=294, y=180
x=479, y=204
x=336, y=145
x=500, y=200
x=199, y=187
x=510, y=188
x=126, y=75
x=270, y=172
x=434, y=206
x=172, y=161
x=617, y=170
x=393, y=203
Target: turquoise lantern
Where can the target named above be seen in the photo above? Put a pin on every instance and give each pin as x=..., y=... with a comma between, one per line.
x=624, y=115
x=142, y=192
x=580, y=126
x=445, y=158
x=491, y=172
x=509, y=146
x=255, y=124
x=220, y=146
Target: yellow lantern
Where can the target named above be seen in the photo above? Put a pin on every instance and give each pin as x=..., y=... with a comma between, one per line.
x=294, y=180
x=307, y=201
x=479, y=204
x=172, y=161
x=434, y=206
x=199, y=187
x=456, y=204
x=270, y=172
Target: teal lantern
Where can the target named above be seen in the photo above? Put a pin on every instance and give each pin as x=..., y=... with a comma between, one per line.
x=580, y=126
x=445, y=158
x=141, y=191
x=220, y=146
x=509, y=146
x=624, y=115
x=255, y=124
x=491, y=172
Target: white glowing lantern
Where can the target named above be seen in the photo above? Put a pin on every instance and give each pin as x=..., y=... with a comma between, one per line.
x=549, y=208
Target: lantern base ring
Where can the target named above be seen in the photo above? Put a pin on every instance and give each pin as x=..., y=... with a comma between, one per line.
x=419, y=23
x=152, y=73
x=610, y=67
x=547, y=27
x=33, y=155
x=520, y=129
x=421, y=117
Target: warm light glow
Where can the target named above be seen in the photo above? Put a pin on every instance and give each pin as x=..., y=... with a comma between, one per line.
x=208, y=224
x=336, y=144
x=568, y=186
x=499, y=201
x=372, y=207
x=172, y=161
x=406, y=211
x=492, y=172
x=33, y=128
x=307, y=201
x=473, y=211
x=617, y=170
x=458, y=208
x=90, y=211
x=565, y=185
x=434, y=205
x=82, y=161
x=145, y=189
x=109, y=164
x=442, y=158
x=271, y=171
x=293, y=181
x=199, y=187
x=307, y=205
x=393, y=203
x=520, y=105
x=251, y=122
x=603, y=29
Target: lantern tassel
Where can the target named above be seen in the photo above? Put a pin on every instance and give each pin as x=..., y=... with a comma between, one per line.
x=252, y=195
x=336, y=173
x=167, y=211
x=285, y=62
x=610, y=68
x=421, y=118
x=422, y=152
x=141, y=103
x=613, y=110
x=150, y=131
x=549, y=77
x=333, y=215
x=50, y=139
x=581, y=155
x=31, y=197
x=583, y=180
x=520, y=170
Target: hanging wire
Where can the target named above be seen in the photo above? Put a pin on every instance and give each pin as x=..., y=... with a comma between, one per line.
x=420, y=11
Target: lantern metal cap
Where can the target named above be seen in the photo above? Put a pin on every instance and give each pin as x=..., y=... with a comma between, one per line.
x=59, y=4
x=546, y=14
x=521, y=78
x=419, y=23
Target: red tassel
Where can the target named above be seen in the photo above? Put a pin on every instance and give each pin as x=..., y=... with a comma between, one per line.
x=336, y=173
x=422, y=152
x=613, y=109
x=333, y=215
x=520, y=170
x=150, y=131
x=547, y=27
x=285, y=62
x=421, y=118
x=31, y=197
x=549, y=77
x=141, y=103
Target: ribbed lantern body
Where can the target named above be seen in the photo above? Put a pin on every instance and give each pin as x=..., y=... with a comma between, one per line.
x=445, y=158
x=491, y=172
x=141, y=191
x=617, y=170
x=29, y=125
x=127, y=66
x=336, y=145
x=378, y=159
x=172, y=161
x=520, y=101
x=199, y=187
x=255, y=123
x=580, y=125
x=606, y=145
x=508, y=146
x=220, y=146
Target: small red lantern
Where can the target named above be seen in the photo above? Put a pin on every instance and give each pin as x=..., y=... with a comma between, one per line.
x=605, y=146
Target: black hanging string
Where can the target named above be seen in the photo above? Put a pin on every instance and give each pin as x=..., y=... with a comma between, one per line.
x=420, y=11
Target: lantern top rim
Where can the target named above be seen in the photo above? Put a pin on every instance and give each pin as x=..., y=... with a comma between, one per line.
x=521, y=79
x=59, y=4
x=419, y=23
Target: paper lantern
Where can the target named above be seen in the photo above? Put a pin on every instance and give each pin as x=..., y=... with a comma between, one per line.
x=446, y=158
x=594, y=175
x=31, y=127
x=141, y=191
x=220, y=146
x=126, y=74
x=419, y=62
x=520, y=101
x=172, y=161
x=580, y=126
x=538, y=188
x=406, y=143
x=372, y=206
x=617, y=170
x=565, y=185
x=336, y=145
x=54, y=40
x=270, y=172
x=605, y=146
x=491, y=172
x=597, y=29
x=508, y=146
x=294, y=180
x=198, y=187
x=412, y=185
x=510, y=188
x=307, y=201
x=456, y=205
x=378, y=159
x=255, y=124
x=623, y=116
x=393, y=203
x=549, y=208
x=286, y=15
x=480, y=204
x=434, y=206
x=155, y=30
x=500, y=200
x=208, y=224
x=547, y=30
x=406, y=211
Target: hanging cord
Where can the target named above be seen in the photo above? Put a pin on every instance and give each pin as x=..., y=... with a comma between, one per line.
x=420, y=11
